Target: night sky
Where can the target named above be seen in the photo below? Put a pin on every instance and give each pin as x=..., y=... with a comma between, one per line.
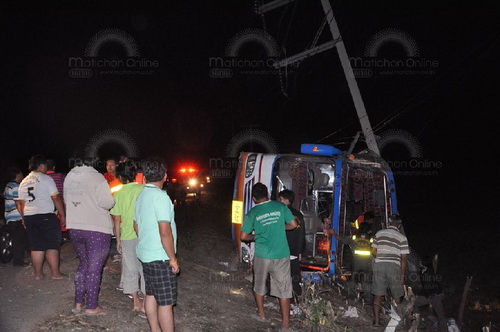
x=178, y=111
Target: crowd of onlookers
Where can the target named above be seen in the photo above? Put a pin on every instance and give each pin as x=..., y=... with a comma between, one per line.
x=127, y=201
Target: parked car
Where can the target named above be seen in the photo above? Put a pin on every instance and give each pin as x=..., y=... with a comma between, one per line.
x=6, y=253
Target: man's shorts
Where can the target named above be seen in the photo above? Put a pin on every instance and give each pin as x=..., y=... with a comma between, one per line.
x=161, y=282
x=387, y=275
x=281, y=278
x=44, y=231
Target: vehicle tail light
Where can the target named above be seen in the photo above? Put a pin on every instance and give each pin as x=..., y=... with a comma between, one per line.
x=321, y=244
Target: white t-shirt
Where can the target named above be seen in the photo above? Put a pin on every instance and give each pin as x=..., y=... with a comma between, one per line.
x=36, y=190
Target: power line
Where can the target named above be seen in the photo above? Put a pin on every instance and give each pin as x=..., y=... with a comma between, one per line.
x=406, y=108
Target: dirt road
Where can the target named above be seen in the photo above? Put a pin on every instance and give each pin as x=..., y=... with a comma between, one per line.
x=211, y=295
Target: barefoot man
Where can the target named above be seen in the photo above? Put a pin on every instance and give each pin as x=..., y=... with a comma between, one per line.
x=156, y=247
x=269, y=219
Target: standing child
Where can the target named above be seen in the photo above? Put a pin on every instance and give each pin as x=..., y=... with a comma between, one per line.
x=126, y=238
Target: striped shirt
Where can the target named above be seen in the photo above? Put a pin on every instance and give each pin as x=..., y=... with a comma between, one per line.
x=11, y=196
x=390, y=244
x=59, y=180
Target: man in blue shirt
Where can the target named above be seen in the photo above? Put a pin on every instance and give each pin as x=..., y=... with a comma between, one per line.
x=13, y=218
x=156, y=248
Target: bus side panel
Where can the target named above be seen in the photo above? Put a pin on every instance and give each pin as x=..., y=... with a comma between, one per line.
x=238, y=195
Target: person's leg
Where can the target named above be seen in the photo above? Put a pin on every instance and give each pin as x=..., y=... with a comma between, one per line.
x=281, y=287
x=52, y=238
x=52, y=256
x=37, y=253
x=259, y=300
x=130, y=272
x=142, y=281
x=138, y=267
x=37, y=258
x=296, y=277
x=261, y=271
x=377, y=304
x=98, y=249
x=166, y=318
x=379, y=288
x=437, y=306
x=151, y=308
x=395, y=282
x=80, y=245
x=285, y=312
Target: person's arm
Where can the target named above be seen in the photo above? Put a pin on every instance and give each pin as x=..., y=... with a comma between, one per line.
x=290, y=220
x=20, y=206
x=167, y=240
x=20, y=203
x=136, y=228
x=104, y=198
x=116, y=223
x=247, y=237
x=58, y=202
x=291, y=225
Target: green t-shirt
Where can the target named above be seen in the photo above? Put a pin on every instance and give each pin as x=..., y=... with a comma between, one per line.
x=124, y=207
x=268, y=220
x=152, y=207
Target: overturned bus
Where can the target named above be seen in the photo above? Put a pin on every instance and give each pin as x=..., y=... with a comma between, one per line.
x=327, y=184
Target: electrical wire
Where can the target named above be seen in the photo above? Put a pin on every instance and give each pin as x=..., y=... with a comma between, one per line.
x=406, y=107
x=333, y=133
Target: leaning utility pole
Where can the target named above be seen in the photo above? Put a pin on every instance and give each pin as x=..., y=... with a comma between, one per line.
x=346, y=65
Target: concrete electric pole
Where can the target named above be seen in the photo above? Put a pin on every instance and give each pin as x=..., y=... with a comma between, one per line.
x=338, y=43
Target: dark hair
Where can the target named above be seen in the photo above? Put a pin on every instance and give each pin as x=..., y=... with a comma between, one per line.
x=369, y=215
x=36, y=161
x=126, y=171
x=365, y=229
x=395, y=219
x=51, y=163
x=287, y=194
x=83, y=161
x=259, y=191
x=153, y=170
x=12, y=173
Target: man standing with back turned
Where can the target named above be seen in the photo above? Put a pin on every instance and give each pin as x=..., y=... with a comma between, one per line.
x=37, y=197
x=390, y=249
x=269, y=220
x=156, y=247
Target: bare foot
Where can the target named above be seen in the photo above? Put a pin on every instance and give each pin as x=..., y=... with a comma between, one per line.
x=99, y=311
x=39, y=277
x=58, y=276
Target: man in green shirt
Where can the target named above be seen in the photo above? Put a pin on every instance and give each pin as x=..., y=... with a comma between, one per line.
x=126, y=238
x=269, y=220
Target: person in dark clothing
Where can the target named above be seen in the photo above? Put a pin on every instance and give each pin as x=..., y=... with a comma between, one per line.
x=13, y=218
x=426, y=285
x=296, y=241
